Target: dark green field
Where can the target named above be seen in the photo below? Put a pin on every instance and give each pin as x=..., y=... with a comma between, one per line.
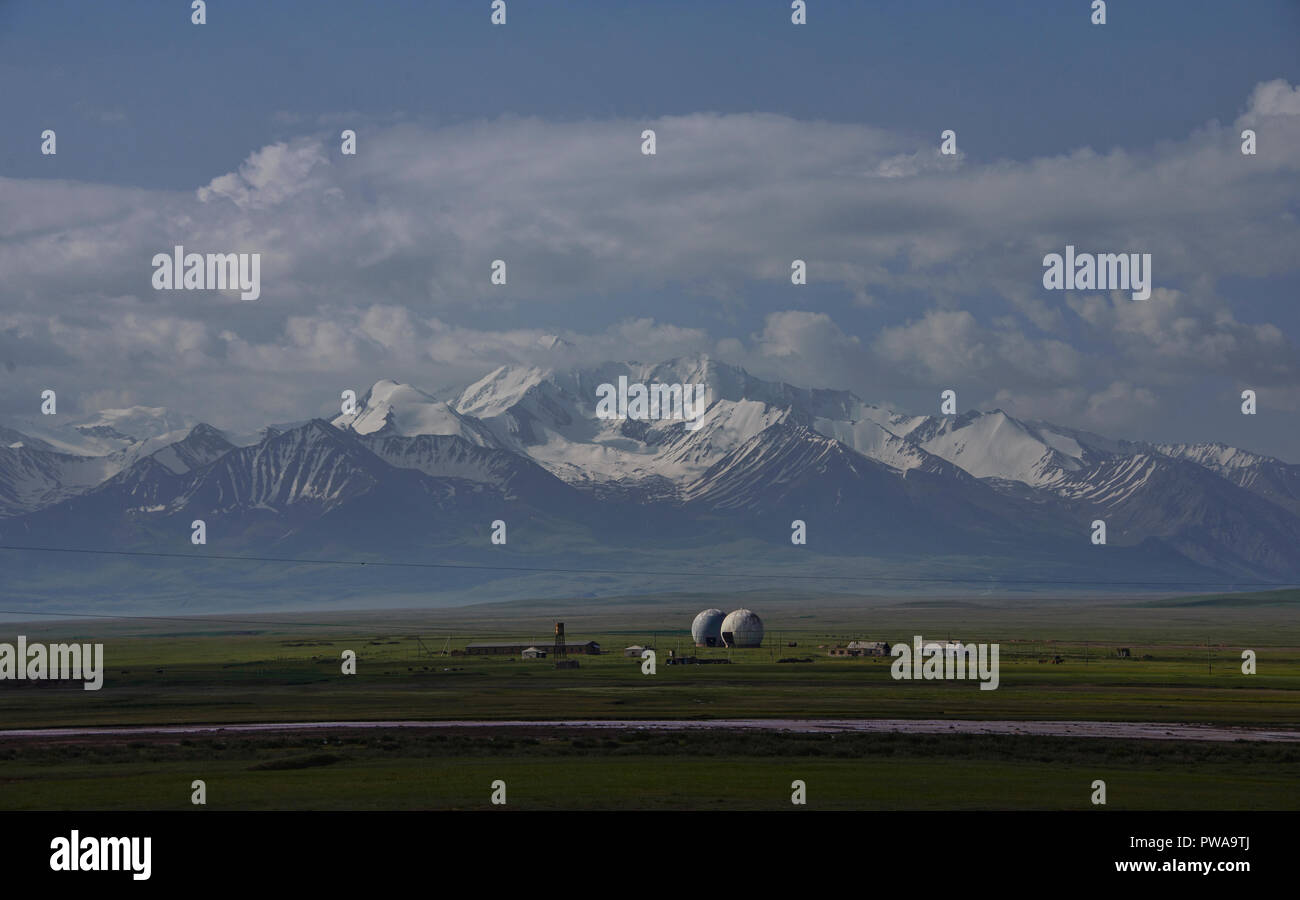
x=546, y=769
x=1185, y=666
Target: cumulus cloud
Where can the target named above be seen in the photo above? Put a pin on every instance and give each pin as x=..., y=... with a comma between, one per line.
x=268, y=177
x=948, y=345
x=1274, y=98
x=1176, y=333
x=1116, y=407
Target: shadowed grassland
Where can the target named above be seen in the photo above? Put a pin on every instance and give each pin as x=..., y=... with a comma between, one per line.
x=547, y=769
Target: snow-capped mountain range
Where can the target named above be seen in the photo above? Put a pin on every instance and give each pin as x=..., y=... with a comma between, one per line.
x=981, y=493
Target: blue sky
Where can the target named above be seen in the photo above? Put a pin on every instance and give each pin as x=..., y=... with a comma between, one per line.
x=1015, y=79
x=479, y=142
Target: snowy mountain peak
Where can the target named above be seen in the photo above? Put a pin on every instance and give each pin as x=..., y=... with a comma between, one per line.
x=201, y=446
x=996, y=445
x=132, y=424
x=106, y=432
x=393, y=408
x=500, y=389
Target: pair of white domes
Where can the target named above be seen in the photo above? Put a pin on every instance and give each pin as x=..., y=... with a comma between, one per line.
x=738, y=628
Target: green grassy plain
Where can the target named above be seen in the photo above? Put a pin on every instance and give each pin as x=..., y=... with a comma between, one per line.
x=1185, y=667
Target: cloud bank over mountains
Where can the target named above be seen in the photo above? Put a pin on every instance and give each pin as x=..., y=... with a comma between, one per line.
x=926, y=269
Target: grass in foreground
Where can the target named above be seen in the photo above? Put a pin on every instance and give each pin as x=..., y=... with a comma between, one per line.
x=549, y=769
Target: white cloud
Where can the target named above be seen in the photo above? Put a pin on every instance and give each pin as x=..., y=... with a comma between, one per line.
x=951, y=346
x=269, y=176
x=1116, y=407
x=1174, y=334
x=1274, y=98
